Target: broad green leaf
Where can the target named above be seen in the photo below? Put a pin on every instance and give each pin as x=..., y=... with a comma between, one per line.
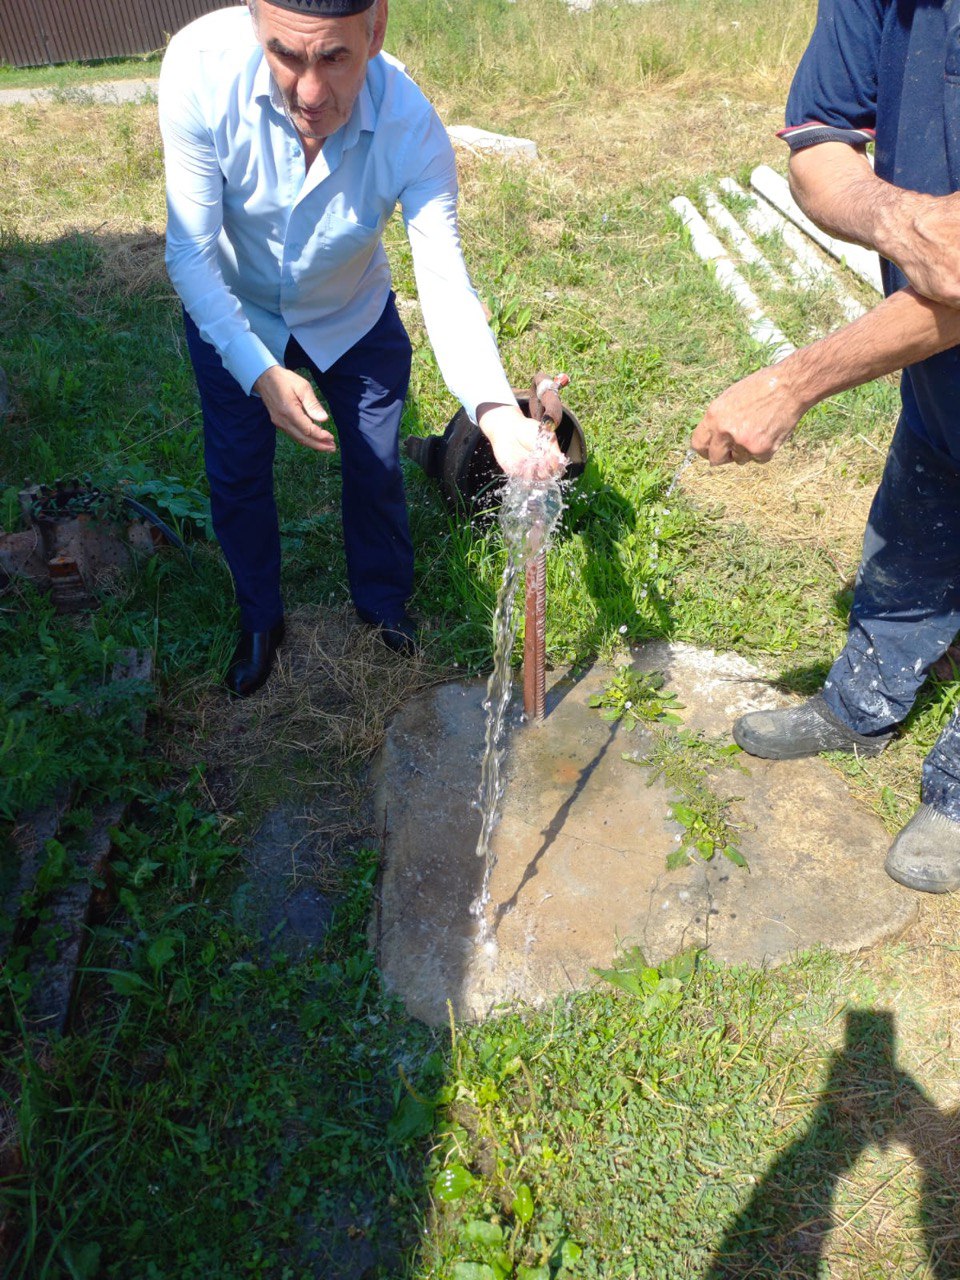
x=682, y=965
x=533, y=1273
x=83, y=1260
x=452, y=1183
x=161, y=950
x=127, y=984
x=623, y=979
x=479, y=1231
x=412, y=1119
x=677, y=859
x=474, y=1271
x=570, y=1253
x=735, y=856
x=523, y=1204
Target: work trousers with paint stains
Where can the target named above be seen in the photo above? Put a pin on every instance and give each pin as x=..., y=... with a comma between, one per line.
x=364, y=391
x=906, y=606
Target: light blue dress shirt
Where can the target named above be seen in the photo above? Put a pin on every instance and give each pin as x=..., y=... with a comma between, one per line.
x=260, y=247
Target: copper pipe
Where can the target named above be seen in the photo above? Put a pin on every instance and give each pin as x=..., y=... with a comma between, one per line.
x=535, y=640
x=546, y=409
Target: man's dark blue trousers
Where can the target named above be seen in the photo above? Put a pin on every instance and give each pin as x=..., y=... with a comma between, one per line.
x=906, y=606
x=364, y=391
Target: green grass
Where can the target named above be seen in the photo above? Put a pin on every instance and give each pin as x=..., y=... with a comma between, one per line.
x=215, y=1115
x=633, y=1119
x=76, y=75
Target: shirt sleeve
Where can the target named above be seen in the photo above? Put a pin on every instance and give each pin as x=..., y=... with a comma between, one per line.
x=833, y=97
x=462, y=340
x=194, y=184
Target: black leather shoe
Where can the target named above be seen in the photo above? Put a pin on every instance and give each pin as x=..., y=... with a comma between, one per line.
x=252, y=660
x=399, y=634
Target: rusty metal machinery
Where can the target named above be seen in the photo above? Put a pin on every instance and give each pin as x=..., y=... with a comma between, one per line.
x=75, y=535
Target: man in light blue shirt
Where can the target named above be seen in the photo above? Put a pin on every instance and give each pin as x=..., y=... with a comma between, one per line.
x=289, y=138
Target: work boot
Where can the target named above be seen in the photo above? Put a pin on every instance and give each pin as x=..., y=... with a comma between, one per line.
x=926, y=853
x=802, y=731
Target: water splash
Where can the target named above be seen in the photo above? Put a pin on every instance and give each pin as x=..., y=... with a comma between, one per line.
x=690, y=456
x=529, y=513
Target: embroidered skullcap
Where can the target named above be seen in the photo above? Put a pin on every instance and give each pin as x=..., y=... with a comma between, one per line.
x=324, y=8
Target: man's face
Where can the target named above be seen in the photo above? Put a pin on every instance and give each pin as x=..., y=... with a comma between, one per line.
x=319, y=63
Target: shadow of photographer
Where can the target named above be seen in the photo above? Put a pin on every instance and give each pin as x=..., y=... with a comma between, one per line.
x=867, y=1101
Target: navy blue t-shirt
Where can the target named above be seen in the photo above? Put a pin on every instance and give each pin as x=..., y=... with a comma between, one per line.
x=892, y=67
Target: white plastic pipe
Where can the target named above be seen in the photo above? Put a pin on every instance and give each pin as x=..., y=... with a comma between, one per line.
x=707, y=247
x=721, y=217
x=862, y=262
x=806, y=266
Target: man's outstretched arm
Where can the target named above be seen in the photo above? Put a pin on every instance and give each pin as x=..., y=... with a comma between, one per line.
x=752, y=419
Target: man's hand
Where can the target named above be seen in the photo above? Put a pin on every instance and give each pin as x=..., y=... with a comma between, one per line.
x=750, y=420
x=519, y=445
x=921, y=234
x=294, y=408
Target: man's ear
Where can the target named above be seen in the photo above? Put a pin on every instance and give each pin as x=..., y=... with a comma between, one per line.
x=379, y=29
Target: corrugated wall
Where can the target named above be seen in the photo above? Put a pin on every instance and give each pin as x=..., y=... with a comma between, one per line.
x=34, y=32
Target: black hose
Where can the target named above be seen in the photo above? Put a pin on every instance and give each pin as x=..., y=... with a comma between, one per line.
x=152, y=518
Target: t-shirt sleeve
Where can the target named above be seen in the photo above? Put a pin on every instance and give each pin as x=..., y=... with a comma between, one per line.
x=833, y=97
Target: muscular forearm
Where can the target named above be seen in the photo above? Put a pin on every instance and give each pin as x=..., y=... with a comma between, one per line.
x=835, y=186
x=900, y=331
x=753, y=418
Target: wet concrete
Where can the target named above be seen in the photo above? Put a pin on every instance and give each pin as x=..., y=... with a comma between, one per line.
x=583, y=841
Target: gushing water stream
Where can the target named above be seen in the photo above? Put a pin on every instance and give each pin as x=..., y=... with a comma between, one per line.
x=529, y=513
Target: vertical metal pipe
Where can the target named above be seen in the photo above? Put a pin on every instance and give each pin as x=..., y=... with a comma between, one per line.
x=535, y=640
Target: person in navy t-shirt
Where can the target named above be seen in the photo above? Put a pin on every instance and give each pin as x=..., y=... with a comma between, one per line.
x=886, y=71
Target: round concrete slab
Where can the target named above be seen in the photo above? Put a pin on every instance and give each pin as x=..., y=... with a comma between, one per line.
x=582, y=846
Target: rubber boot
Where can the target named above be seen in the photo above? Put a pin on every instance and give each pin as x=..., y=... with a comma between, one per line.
x=800, y=731
x=926, y=854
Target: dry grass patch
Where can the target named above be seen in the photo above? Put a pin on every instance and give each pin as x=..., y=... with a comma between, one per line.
x=322, y=716
x=674, y=134
x=132, y=262
x=923, y=974
x=815, y=495
x=68, y=167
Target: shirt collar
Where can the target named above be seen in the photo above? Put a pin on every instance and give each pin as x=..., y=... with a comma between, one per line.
x=363, y=117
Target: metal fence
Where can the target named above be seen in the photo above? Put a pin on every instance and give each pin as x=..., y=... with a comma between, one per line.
x=38, y=32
